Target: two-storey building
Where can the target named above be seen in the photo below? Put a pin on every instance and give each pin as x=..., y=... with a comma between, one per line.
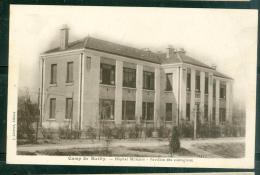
x=92, y=81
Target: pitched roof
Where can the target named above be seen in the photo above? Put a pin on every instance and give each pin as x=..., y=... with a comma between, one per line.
x=113, y=48
x=122, y=50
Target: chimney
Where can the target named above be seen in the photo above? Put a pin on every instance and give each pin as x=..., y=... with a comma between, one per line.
x=64, y=37
x=214, y=66
x=171, y=52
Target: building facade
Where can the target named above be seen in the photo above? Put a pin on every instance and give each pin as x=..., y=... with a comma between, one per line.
x=92, y=81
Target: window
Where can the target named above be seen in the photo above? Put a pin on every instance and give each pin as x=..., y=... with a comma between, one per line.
x=188, y=81
x=206, y=113
x=222, y=115
x=214, y=88
x=52, y=108
x=188, y=112
x=168, y=82
x=222, y=93
x=69, y=72
x=214, y=114
x=148, y=111
x=107, y=74
x=69, y=108
x=148, y=80
x=168, y=113
x=88, y=63
x=106, y=109
x=197, y=84
x=129, y=77
x=128, y=110
x=206, y=85
x=53, y=73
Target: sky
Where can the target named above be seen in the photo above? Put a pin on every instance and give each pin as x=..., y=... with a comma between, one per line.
x=226, y=38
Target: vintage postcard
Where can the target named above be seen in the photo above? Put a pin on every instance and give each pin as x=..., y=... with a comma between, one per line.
x=129, y=86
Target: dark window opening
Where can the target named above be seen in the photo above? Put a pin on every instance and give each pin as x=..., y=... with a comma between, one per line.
x=168, y=111
x=53, y=73
x=222, y=115
x=214, y=114
x=69, y=72
x=129, y=77
x=188, y=112
x=188, y=81
x=107, y=74
x=169, y=82
x=222, y=91
x=197, y=83
x=206, y=85
x=128, y=110
x=148, y=80
x=148, y=111
x=214, y=89
x=52, y=108
x=69, y=108
x=106, y=109
x=206, y=118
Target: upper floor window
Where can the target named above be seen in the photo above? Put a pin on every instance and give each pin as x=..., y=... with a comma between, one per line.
x=197, y=83
x=214, y=88
x=53, y=74
x=69, y=108
x=168, y=82
x=206, y=85
x=129, y=77
x=69, y=72
x=88, y=63
x=222, y=91
x=188, y=81
x=128, y=110
x=148, y=111
x=168, y=111
x=52, y=108
x=107, y=74
x=148, y=80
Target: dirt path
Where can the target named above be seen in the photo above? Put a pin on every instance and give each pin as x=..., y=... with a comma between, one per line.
x=185, y=143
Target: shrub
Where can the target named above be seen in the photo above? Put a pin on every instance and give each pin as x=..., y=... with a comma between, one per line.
x=47, y=133
x=203, y=130
x=107, y=132
x=186, y=129
x=91, y=133
x=175, y=140
x=135, y=132
x=28, y=115
x=148, y=131
x=163, y=132
x=215, y=130
x=64, y=133
x=118, y=132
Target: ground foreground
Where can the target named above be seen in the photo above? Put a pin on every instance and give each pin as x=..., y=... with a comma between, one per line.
x=206, y=148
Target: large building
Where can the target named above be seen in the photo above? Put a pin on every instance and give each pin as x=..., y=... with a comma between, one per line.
x=90, y=81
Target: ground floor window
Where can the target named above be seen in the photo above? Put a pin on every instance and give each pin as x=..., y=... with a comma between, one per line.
x=128, y=110
x=188, y=111
x=106, y=109
x=69, y=108
x=52, y=108
x=222, y=115
x=206, y=118
x=168, y=112
x=148, y=111
x=213, y=114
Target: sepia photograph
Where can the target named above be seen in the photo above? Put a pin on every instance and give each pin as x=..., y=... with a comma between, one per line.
x=131, y=86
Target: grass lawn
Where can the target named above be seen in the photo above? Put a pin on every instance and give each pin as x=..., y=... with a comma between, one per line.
x=226, y=150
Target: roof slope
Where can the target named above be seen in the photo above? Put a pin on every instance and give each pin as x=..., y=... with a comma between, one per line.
x=122, y=50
